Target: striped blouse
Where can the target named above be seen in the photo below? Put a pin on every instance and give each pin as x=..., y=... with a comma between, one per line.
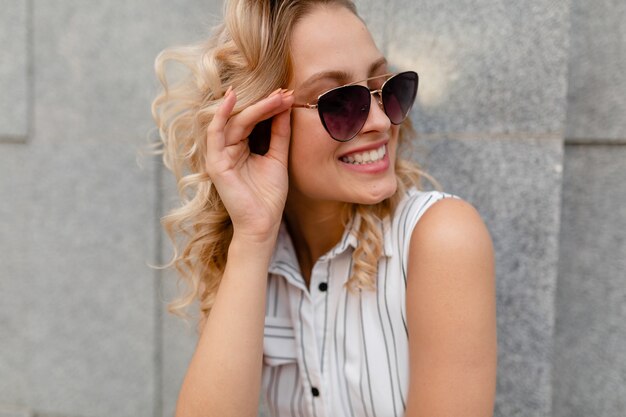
x=329, y=352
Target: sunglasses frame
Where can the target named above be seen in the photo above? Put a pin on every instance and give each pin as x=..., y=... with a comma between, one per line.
x=379, y=92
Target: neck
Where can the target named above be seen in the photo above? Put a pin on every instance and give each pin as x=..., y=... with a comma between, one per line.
x=315, y=227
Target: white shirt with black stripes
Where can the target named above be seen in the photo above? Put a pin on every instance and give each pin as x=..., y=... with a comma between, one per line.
x=330, y=352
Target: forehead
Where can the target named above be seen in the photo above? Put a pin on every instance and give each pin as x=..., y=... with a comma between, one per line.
x=331, y=38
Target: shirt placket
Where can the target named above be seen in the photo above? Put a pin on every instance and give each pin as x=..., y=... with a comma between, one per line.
x=319, y=295
x=310, y=313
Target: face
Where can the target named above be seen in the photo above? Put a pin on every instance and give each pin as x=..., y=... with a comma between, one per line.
x=332, y=47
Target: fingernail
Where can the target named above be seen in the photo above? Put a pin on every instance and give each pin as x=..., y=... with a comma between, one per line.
x=228, y=91
x=288, y=93
x=273, y=93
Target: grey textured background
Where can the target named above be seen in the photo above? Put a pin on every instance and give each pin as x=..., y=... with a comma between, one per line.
x=521, y=111
x=15, y=77
x=590, y=336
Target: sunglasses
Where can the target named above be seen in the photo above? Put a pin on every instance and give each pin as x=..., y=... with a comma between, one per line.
x=345, y=109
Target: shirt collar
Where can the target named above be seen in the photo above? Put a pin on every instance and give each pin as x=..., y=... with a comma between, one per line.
x=349, y=238
x=284, y=259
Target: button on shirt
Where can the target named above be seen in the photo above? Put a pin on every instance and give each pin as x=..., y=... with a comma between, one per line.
x=332, y=352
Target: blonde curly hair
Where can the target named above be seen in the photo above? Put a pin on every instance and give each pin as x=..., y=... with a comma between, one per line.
x=249, y=51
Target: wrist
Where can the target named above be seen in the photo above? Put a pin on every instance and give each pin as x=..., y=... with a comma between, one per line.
x=257, y=243
x=260, y=234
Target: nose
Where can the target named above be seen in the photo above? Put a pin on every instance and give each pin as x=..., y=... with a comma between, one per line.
x=377, y=120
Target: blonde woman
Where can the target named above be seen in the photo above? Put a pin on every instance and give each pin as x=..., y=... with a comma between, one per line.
x=328, y=282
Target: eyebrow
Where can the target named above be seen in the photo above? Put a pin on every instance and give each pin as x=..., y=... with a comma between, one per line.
x=341, y=76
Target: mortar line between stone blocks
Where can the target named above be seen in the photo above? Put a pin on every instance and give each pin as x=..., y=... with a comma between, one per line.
x=45, y=414
x=491, y=135
x=13, y=139
x=595, y=142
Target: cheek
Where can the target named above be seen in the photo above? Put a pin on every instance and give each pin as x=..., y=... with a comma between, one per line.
x=309, y=153
x=312, y=156
x=394, y=143
x=305, y=122
x=309, y=140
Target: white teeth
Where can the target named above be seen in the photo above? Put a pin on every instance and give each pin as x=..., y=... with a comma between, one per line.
x=365, y=157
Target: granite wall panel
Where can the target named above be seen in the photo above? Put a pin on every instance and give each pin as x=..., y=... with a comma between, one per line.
x=79, y=218
x=589, y=359
x=98, y=58
x=13, y=411
x=485, y=66
x=78, y=230
x=15, y=70
x=597, y=82
x=15, y=214
x=515, y=185
x=376, y=15
x=590, y=354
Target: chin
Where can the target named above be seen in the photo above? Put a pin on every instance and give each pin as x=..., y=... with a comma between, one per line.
x=378, y=194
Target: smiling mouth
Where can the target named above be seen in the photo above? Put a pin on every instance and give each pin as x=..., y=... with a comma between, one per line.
x=367, y=157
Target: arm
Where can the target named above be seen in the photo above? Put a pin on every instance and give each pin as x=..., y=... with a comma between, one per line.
x=224, y=375
x=451, y=314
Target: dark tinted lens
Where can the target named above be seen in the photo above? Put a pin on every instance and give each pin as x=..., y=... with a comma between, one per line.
x=398, y=96
x=344, y=111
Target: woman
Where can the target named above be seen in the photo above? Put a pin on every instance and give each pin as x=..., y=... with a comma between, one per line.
x=326, y=280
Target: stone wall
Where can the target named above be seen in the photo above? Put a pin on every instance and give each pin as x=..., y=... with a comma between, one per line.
x=520, y=111
x=590, y=337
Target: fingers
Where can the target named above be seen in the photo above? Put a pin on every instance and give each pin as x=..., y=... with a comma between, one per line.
x=240, y=125
x=215, y=130
x=225, y=130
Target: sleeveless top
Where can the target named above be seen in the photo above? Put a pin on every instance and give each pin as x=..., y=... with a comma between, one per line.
x=331, y=352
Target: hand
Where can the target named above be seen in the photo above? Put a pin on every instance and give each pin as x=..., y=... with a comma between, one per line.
x=252, y=187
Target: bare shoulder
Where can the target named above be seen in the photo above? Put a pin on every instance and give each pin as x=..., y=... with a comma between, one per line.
x=450, y=224
x=451, y=257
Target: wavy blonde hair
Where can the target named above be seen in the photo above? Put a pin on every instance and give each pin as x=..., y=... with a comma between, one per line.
x=249, y=51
